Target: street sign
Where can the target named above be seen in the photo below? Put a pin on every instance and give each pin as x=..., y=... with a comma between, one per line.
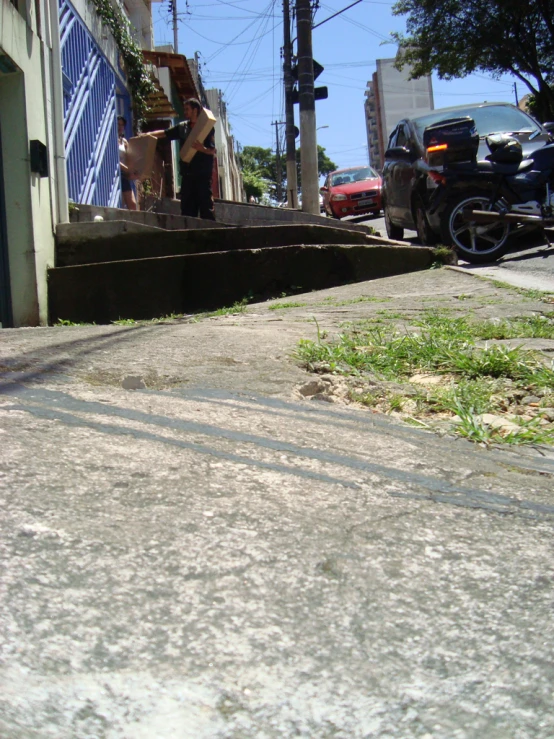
x=320, y=93
x=318, y=69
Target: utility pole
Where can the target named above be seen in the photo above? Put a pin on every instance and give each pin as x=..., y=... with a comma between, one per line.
x=175, y=34
x=308, y=144
x=279, y=172
x=292, y=183
x=515, y=93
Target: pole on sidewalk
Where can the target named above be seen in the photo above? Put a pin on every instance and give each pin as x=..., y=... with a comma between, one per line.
x=308, y=144
x=174, y=23
x=278, y=173
x=292, y=183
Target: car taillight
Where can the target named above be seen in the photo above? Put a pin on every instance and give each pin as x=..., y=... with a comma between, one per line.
x=438, y=147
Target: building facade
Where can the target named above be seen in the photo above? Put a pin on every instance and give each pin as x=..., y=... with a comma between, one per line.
x=389, y=97
x=229, y=177
x=62, y=85
x=32, y=177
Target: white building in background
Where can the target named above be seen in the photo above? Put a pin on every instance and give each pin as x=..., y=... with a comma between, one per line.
x=228, y=173
x=389, y=97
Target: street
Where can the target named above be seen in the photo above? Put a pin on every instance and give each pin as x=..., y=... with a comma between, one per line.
x=528, y=263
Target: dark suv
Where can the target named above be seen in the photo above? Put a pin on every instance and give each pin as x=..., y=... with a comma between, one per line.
x=407, y=187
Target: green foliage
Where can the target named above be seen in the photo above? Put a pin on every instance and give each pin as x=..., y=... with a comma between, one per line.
x=238, y=307
x=477, y=379
x=254, y=184
x=283, y=306
x=259, y=169
x=138, y=78
x=324, y=164
x=458, y=37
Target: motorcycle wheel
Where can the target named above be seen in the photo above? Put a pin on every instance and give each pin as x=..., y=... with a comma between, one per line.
x=396, y=233
x=425, y=234
x=477, y=243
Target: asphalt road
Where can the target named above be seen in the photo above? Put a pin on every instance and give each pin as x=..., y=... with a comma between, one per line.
x=530, y=260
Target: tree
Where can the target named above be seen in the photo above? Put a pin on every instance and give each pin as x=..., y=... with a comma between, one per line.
x=458, y=37
x=257, y=170
x=254, y=184
x=259, y=167
x=324, y=164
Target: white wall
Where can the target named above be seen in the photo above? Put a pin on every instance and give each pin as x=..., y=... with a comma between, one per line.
x=229, y=174
x=29, y=199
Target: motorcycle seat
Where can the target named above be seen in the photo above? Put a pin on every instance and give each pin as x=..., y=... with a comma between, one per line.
x=499, y=168
x=493, y=167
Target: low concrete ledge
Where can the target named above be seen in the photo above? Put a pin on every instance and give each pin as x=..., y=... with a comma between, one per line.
x=249, y=214
x=83, y=231
x=169, y=221
x=117, y=240
x=148, y=288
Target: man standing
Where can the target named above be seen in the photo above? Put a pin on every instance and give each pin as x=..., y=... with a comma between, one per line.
x=196, y=176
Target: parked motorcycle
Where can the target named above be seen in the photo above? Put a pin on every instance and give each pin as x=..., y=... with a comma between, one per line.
x=481, y=203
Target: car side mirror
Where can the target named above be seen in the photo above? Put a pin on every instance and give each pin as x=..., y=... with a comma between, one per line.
x=549, y=125
x=399, y=152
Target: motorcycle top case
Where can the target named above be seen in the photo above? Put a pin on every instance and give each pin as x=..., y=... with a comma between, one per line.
x=453, y=140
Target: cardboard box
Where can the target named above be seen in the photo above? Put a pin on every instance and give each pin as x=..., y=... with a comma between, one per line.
x=204, y=124
x=140, y=156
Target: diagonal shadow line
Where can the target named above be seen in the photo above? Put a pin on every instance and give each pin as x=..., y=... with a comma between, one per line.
x=72, y=420
x=484, y=499
x=319, y=414
x=57, y=365
x=344, y=418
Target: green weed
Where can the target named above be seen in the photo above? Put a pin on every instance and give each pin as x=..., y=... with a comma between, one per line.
x=477, y=379
x=283, y=306
x=238, y=307
x=64, y=322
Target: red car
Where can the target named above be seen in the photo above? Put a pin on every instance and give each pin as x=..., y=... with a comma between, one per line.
x=351, y=192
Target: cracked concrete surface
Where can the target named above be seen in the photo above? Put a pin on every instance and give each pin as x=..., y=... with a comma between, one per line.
x=214, y=556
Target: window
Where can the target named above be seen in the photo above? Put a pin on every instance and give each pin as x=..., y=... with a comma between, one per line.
x=401, y=139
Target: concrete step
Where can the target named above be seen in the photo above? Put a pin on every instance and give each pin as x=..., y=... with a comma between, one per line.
x=157, y=286
x=169, y=221
x=108, y=241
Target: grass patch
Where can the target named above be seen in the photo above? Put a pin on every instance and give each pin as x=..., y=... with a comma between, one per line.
x=474, y=379
x=391, y=315
x=284, y=306
x=64, y=322
x=529, y=293
x=362, y=299
x=238, y=307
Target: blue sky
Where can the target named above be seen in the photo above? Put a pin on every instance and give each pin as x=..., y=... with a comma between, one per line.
x=239, y=44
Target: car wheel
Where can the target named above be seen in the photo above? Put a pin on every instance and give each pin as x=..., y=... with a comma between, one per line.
x=476, y=242
x=425, y=234
x=396, y=233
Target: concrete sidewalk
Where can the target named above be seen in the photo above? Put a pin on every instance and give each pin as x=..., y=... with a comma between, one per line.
x=191, y=548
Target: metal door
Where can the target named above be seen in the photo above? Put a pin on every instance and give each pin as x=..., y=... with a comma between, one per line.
x=90, y=123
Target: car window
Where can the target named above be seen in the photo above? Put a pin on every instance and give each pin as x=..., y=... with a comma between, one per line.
x=401, y=138
x=488, y=119
x=353, y=175
x=392, y=138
